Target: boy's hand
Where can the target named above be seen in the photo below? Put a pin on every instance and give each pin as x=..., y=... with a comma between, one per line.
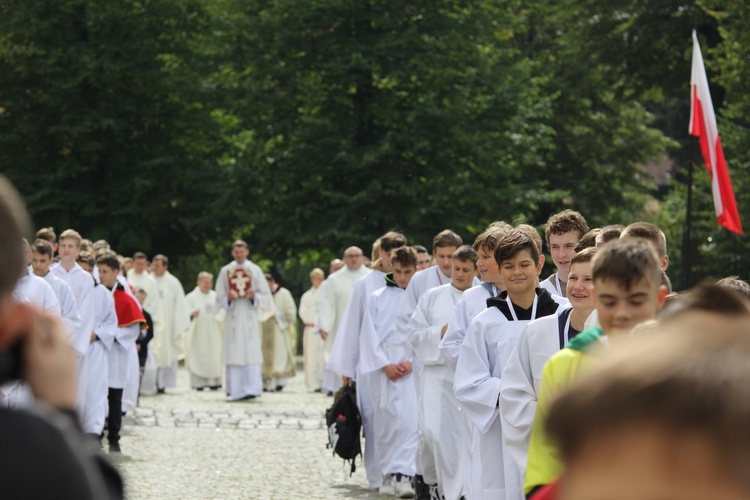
x=394, y=372
x=406, y=366
x=443, y=330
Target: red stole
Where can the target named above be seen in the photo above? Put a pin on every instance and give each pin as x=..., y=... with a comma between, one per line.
x=128, y=312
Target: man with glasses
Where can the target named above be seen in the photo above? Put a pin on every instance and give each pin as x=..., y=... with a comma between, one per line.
x=331, y=300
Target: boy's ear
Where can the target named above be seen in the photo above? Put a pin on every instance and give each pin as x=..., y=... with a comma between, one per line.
x=662, y=294
x=540, y=265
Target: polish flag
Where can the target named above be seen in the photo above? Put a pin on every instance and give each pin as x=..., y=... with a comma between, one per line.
x=703, y=125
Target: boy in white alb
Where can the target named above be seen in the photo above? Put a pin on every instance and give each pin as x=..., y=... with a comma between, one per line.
x=345, y=352
x=129, y=320
x=82, y=285
x=441, y=460
x=489, y=342
x=95, y=364
x=535, y=345
x=563, y=231
x=384, y=351
x=41, y=260
x=474, y=300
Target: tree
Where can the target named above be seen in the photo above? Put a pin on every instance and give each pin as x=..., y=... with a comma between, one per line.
x=380, y=115
x=102, y=119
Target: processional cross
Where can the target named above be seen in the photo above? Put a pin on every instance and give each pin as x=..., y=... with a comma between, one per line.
x=239, y=282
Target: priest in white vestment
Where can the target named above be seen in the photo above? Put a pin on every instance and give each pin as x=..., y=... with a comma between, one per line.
x=247, y=298
x=331, y=301
x=441, y=460
x=203, y=359
x=169, y=336
x=279, y=338
x=312, y=344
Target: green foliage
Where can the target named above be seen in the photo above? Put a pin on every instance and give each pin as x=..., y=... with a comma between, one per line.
x=306, y=126
x=103, y=123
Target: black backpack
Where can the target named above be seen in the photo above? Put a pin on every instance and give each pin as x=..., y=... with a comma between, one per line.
x=344, y=425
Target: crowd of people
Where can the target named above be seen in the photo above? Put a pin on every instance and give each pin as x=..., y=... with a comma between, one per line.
x=474, y=377
x=459, y=381
x=129, y=323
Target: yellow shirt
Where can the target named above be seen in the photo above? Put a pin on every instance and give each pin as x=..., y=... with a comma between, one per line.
x=562, y=369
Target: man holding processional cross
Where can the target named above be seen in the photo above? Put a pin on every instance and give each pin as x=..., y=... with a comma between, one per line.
x=242, y=290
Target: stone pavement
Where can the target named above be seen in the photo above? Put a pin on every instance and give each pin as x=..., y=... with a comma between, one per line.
x=199, y=445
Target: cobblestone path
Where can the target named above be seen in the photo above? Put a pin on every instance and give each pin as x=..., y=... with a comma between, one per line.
x=199, y=445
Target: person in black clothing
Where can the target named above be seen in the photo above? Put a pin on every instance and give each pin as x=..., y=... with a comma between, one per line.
x=147, y=330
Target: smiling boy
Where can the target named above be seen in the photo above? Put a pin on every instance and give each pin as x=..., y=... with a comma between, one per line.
x=486, y=348
x=628, y=291
x=541, y=339
x=563, y=231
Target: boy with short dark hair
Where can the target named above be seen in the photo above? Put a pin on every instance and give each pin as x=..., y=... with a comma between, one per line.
x=628, y=291
x=442, y=460
x=42, y=257
x=474, y=301
x=665, y=418
x=388, y=353
x=489, y=342
x=563, y=231
x=541, y=339
x=424, y=259
x=651, y=233
x=345, y=354
x=129, y=320
x=95, y=364
x=608, y=234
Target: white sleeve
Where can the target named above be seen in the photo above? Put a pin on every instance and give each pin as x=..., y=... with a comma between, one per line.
x=344, y=358
x=222, y=290
x=126, y=336
x=475, y=387
x=107, y=327
x=407, y=308
x=423, y=336
x=324, y=300
x=79, y=338
x=454, y=335
x=373, y=357
x=518, y=400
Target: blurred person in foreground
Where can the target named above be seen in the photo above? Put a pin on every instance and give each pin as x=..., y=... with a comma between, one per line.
x=667, y=416
x=45, y=440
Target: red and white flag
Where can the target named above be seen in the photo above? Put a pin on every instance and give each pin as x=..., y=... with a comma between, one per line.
x=703, y=125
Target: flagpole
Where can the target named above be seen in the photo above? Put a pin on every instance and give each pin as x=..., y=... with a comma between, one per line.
x=688, y=224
